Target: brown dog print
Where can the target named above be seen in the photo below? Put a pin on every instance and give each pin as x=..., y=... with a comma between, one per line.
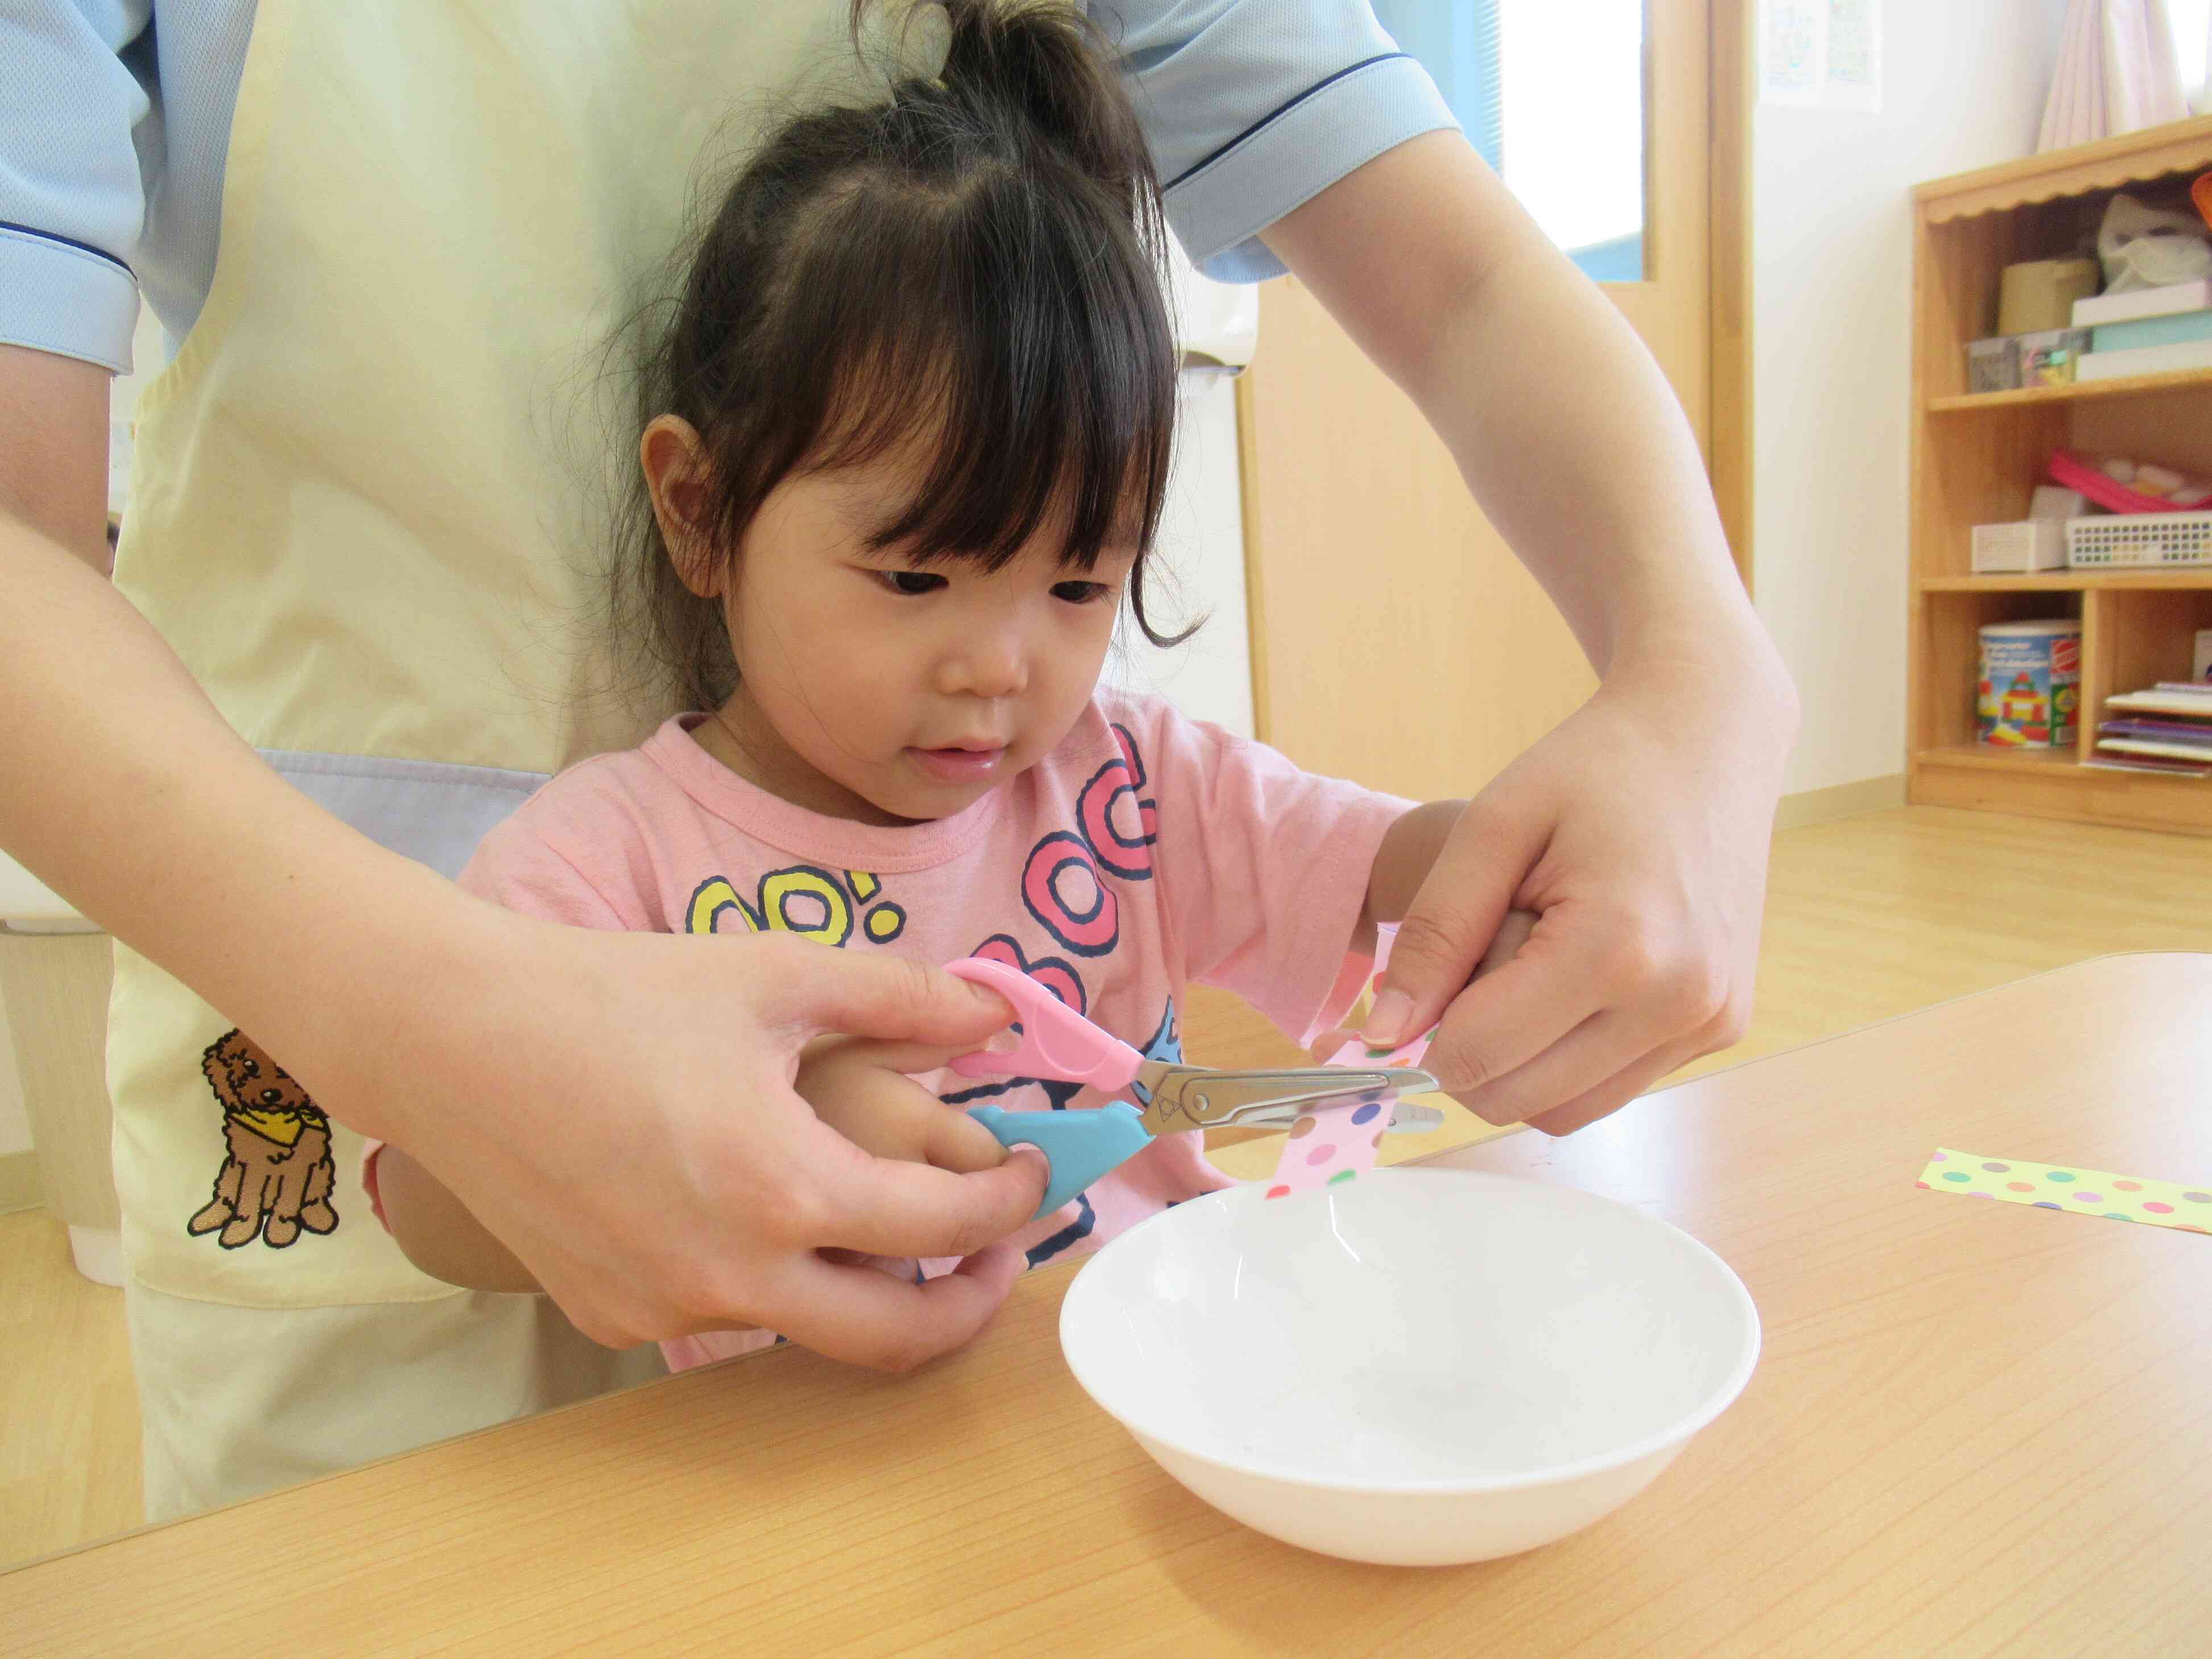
x=275, y=1174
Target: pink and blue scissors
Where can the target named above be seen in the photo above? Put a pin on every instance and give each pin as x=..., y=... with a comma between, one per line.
x=1056, y=1041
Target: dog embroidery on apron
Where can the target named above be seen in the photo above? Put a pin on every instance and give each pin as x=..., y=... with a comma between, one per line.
x=277, y=1173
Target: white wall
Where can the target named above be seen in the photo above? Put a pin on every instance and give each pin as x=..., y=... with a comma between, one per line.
x=1964, y=82
x=1199, y=559
x=14, y=1125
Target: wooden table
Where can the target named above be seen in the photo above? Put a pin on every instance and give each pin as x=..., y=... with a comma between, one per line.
x=1976, y=1429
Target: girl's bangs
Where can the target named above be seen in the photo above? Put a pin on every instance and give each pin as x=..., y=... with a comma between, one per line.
x=1014, y=352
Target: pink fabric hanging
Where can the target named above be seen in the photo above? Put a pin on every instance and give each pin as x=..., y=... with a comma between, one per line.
x=2116, y=73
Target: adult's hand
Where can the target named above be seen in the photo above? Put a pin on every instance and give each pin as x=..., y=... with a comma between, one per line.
x=634, y=1135
x=1636, y=831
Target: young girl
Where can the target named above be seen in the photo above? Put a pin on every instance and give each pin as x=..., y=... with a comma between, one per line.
x=911, y=431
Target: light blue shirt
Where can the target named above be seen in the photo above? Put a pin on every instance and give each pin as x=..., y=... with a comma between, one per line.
x=115, y=125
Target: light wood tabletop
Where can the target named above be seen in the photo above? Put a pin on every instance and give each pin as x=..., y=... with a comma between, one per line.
x=1977, y=1428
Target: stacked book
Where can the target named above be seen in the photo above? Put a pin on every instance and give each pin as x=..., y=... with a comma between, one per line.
x=2150, y=330
x=2167, y=728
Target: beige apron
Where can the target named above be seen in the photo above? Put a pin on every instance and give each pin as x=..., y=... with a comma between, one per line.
x=368, y=513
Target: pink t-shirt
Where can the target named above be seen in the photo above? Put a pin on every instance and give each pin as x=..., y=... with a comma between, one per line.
x=1146, y=851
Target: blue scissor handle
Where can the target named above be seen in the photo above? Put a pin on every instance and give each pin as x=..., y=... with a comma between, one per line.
x=1080, y=1145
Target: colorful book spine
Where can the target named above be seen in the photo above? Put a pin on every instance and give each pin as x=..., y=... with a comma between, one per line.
x=2167, y=731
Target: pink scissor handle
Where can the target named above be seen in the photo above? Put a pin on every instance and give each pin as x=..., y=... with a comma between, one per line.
x=1056, y=1041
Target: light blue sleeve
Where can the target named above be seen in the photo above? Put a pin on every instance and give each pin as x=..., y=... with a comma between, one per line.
x=1254, y=107
x=72, y=196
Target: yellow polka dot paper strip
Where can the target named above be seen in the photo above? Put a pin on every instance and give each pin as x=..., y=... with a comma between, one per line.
x=2069, y=1187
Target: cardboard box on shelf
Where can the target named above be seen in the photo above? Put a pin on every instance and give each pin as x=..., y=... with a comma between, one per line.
x=2175, y=328
x=2049, y=358
x=2145, y=359
x=2039, y=294
x=1993, y=365
x=2142, y=302
x=2015, y=549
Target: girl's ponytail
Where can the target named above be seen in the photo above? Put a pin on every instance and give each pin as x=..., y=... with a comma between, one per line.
x=1043, y=61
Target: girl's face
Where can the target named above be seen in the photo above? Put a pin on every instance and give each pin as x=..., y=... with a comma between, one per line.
x=876, y=689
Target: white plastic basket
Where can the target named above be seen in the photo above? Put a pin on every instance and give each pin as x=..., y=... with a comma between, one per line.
x=2134, y=540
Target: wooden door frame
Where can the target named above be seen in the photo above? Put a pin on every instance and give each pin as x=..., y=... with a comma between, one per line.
x=1732, y=93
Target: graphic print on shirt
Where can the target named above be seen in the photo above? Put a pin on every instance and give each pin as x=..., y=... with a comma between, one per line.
x=276, y=1175
x=1128, y=855
x=1067, y=1238
x=800, y=899
x=1061, y=884
x=1063, y=891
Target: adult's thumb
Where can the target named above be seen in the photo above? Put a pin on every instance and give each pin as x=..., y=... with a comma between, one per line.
x=892, y=999
x=1442, y=938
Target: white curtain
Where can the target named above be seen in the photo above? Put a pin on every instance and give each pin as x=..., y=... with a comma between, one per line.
x=2117, y=72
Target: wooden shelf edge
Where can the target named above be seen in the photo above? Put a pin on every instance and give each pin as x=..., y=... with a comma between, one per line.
x=2179, y=379
x=2041, y=762
x=2079, y=794
x=2073, y=582
x=2130, y=158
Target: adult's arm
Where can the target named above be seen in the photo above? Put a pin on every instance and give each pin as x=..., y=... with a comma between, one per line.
x=1638, y=828
x=618, y=1108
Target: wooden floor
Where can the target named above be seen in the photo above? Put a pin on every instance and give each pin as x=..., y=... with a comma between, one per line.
x=1868, y=918
x=69, y=1452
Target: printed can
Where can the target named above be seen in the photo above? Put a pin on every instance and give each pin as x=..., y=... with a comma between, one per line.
x=2030, y=692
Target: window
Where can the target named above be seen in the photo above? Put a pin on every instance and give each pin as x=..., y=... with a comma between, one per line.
x=1551, y=94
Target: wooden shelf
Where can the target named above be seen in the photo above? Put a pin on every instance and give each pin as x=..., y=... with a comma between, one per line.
x=2039, y=763
x=2131, y=385
x=1975, y=457
x=2071, y=581
x=1999, y=760
x=2132, y=158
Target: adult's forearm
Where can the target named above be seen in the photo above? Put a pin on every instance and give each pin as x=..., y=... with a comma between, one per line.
x=127, y=793
x=1563, y=426
x=1583, y=460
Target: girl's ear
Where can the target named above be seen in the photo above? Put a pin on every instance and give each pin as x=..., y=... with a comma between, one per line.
x=677, y=472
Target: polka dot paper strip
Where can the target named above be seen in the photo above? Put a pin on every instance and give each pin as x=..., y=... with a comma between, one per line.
x=1330, y=1147
x=2069, y=1187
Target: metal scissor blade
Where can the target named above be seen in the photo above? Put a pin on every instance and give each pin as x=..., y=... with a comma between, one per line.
x=1181, y=1097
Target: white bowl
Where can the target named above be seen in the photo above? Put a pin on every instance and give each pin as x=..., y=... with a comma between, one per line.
x=1418, y=1368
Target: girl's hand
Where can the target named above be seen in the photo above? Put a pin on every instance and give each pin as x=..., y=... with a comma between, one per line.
x=1638, y=832
x=865, y=1090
